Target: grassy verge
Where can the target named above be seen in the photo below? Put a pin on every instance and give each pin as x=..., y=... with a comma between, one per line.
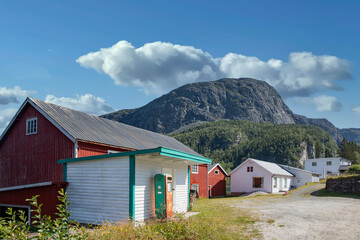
x=305, y=186
x=324, y=193
x=216, y=220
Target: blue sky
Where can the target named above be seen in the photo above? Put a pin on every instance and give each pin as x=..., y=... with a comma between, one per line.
x=307, y=50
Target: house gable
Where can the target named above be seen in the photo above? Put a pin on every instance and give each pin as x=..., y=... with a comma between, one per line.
x=28, y=159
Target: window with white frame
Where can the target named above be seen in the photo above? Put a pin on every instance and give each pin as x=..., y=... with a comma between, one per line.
x=31, y=126
x=275, y=182
x=328, y=163
x=216, y=172
x=314, y=164
x=195, y=169
x=195, y=187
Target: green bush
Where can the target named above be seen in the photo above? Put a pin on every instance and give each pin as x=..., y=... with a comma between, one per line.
x=59, y=228
x=354, y=169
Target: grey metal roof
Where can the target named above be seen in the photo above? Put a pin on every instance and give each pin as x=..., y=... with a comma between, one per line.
x=289, y=168
x=83, y=126
x=273, y=168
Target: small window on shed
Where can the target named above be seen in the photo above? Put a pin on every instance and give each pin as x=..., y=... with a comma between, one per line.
x=251, y=169
x=31, y=126
x=314, y=164
x=195, y=169
x=328, y=163
x=216, y=172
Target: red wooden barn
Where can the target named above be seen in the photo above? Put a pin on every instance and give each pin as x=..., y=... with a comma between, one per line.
x=199, y=179
x=42, y=133
x=217, y=180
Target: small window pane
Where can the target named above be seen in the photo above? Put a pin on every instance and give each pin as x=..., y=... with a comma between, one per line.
x=314, y=164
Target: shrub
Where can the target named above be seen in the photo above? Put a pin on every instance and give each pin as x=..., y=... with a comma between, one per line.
x=47, y=228
x=354, y=169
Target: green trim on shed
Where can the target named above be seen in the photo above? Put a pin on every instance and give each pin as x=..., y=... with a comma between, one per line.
x=189, y=188
x=161, y=150
x=132, y=187
x=64, y=172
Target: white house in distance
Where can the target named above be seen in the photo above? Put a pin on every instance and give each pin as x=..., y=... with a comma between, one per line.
x=327, y=166
x=301, y=176
x=255, y=175
x=118, y=186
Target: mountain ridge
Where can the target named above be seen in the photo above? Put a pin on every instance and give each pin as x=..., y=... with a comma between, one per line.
x=227, y=98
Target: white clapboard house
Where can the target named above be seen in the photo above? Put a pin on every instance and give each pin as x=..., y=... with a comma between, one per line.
x=255, y=175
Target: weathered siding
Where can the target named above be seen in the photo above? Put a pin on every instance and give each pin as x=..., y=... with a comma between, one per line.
x=201, y=179
x=90, y=149
x=145, y=171
x=217, y=183
x=27, y=159
x=99, y=190
x=48, y=196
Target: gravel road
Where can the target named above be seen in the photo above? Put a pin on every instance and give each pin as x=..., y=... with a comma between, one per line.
x=303, y=216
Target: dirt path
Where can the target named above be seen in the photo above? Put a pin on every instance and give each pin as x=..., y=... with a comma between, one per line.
x=303, y=216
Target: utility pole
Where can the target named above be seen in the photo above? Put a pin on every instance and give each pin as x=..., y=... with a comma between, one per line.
x=323, y=145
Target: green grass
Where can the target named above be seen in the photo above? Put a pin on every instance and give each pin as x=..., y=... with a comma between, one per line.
x=216, y=220
x=324, y=193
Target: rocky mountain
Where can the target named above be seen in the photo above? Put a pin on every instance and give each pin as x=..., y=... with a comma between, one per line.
x=228, y=98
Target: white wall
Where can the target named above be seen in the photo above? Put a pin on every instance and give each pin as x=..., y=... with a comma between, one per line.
x=98, y=190
x=301, y=177
x=145, y=172
x=242, y=181
x=281, y=186
x=321, y=166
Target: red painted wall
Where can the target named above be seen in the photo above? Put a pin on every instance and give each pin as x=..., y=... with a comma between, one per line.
x=217, y=183
x=90, y=149
x=201, y=179
x=27, y=159
x=48, y=196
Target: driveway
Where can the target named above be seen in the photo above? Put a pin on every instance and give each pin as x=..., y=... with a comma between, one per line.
x=301, y=215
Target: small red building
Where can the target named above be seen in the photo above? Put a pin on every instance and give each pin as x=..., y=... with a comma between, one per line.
x=42, y=133
x=217, y=180
x=199, y=179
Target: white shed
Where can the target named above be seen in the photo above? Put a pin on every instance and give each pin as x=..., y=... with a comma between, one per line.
x=120, y=186
x=255, y=175
x=301, y=176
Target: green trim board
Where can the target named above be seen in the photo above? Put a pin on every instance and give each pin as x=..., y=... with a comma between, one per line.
x=161, y=150
x=132, y=187
x=64, y=172
x=189, y=188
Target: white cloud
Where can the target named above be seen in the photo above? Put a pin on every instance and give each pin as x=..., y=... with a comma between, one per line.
x=5, y=117
x=156, y=67
x=356, y=110
x=159, y=67
x=84, y=103
x=12, y=95
x=322, y=103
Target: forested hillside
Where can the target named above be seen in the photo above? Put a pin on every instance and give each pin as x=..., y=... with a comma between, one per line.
x=230, y=142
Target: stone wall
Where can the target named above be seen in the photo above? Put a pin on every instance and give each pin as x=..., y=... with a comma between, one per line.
x=345, y=184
